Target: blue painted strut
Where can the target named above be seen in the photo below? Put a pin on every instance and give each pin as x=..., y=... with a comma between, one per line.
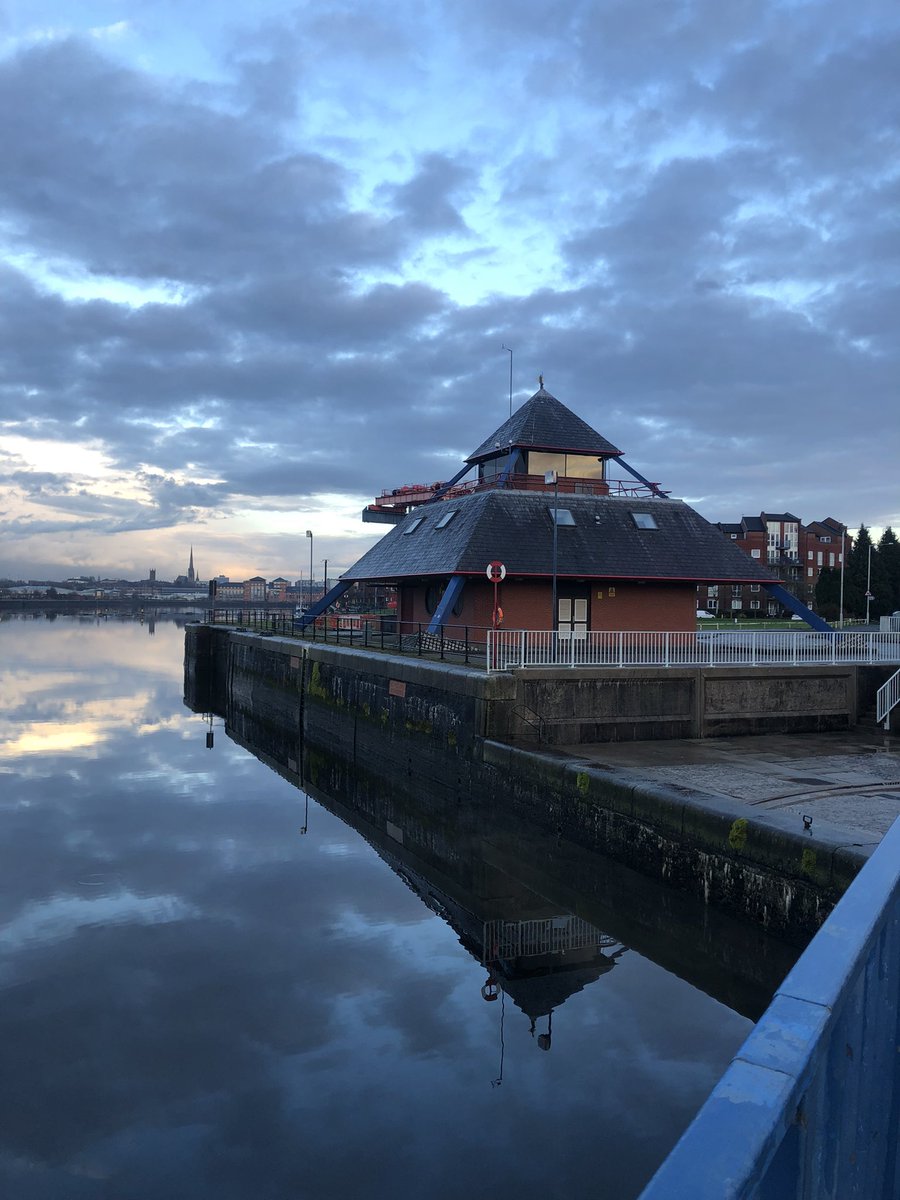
x=324, y=604
x=445, y=607
x=783, y=596
x=640, y=478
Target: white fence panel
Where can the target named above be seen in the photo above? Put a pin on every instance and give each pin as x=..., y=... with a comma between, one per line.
x=510, y=649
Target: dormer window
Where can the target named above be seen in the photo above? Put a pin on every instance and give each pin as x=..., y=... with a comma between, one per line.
x=644, y=520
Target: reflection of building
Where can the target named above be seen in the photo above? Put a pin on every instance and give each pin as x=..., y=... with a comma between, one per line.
x=539, y=964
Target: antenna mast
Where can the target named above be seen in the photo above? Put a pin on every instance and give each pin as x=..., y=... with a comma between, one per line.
x=510, y=353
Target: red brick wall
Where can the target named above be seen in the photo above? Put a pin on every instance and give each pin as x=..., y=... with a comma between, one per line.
x=526, y=605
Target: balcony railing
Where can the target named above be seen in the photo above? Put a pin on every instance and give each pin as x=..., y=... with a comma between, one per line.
x=421, y=493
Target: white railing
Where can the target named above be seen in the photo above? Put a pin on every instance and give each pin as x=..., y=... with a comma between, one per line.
x=510, y=649
x=888, y=697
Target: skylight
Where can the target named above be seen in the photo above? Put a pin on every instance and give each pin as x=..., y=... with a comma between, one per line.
x=446, y=519
x=413, y=526
x=644, y=520
x=563, y=516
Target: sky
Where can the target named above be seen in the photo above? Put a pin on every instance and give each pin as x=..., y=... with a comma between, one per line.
x=260, y=262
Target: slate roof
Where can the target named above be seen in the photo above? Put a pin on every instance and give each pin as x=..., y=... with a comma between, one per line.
x=543, y=423
x=786, y=516
x=517, y=528
x=753, y=524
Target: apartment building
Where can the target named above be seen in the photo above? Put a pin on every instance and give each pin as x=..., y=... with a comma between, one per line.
x=797, y=553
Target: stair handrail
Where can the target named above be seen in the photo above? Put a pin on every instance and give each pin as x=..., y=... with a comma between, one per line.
x=888, y=697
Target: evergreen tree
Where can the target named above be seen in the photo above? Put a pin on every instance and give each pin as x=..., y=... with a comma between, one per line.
x=889, y=571
x=856, y=571
x=828, y=592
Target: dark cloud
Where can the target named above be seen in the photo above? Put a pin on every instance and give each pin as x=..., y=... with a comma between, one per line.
x=693, y=205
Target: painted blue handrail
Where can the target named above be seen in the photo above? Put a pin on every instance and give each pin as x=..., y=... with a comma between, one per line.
x=810, y=1106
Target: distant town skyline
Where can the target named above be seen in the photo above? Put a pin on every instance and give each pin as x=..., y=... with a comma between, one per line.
x=260, y=264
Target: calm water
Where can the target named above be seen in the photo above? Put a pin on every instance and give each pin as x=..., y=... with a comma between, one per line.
x=201, y=1000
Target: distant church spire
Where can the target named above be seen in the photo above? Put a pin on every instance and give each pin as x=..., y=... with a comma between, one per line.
x=192, y=578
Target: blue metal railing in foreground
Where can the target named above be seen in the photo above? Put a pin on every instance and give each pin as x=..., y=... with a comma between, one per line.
x=810, y=1106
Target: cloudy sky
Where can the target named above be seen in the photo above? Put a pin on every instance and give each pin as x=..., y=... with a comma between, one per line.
x=259, y=261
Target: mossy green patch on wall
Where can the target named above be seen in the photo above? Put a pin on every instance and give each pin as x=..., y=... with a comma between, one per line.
x=737, y=835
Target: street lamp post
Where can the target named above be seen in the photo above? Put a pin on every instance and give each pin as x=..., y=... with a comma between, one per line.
x=869, y=584
x=309, y=534
x=843, y=556
x=325, y=592
x=553, y=477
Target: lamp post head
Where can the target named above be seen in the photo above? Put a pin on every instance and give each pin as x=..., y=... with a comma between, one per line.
x=309, y=533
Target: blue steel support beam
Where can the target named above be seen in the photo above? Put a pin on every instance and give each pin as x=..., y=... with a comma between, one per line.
x=445, y=487
x=507, y=468
x=783, y=596
x=451, y=594
x=324, y=604
x=639, y=477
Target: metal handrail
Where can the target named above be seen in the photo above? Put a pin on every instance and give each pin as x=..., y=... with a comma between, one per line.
x=887, y=698
x=511, y=649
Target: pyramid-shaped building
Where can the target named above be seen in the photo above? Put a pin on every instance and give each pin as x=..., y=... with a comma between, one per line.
x=580, y=551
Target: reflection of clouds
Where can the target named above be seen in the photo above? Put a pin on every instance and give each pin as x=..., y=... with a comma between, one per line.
x=203, y=995
x=50, y=920
x=52, y=739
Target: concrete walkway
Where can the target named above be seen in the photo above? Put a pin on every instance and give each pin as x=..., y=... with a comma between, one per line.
x=848, y=780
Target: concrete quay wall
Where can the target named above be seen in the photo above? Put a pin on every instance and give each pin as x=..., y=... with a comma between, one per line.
x=419, y=720
x=652, y=703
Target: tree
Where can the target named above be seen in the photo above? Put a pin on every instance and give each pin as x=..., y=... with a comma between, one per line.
x=889, y=570
x=856, y=570
x=828, y=593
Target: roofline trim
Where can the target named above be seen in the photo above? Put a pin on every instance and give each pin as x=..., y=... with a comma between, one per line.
x=537, y=446
x=512, y=573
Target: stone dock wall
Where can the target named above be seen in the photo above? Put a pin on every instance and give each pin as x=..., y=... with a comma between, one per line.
x=463, y=730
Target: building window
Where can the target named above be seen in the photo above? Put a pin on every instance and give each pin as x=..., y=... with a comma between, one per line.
x=831, y=560
x=736, y=604
x=810, y=554
x=819, y=558
x=824, y=539
x=644, y=520
x=413, y=526
x=733, y=536
x=754, y=587
x=809, y=571
x=754, y=604
x=736, y=589
x=446, y=519
x=754, y=553
x=713, y=589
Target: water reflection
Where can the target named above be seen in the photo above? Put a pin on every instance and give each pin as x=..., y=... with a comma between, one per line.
x=199, y=999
